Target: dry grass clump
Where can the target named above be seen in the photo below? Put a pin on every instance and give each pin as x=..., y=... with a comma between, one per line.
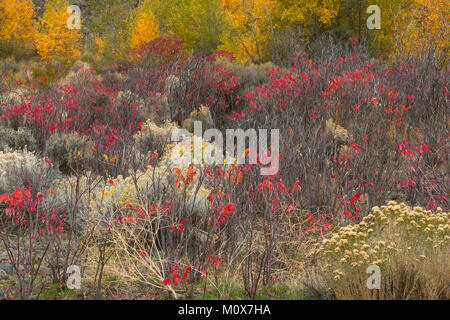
x=69, y=150
x=339, y=133
x=153, y=137
x=19, y=139
x=251, y=74
x=20, y=168
x=202, y=114
x=410, y=245
x=80, y=73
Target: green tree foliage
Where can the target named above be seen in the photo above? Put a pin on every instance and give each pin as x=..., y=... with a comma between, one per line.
x=201, y=24
x=109, y=24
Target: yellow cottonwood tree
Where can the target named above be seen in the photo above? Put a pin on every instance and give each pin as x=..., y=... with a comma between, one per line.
x=252, y=28
x=200, y=24
x=145, y=27
x=109, y=25
x=429, y=30
x=308, y=12
x=17, y=26
x=16, y=20
x=54, y=39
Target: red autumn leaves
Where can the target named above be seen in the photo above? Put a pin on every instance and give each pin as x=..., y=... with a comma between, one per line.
x=24, y=210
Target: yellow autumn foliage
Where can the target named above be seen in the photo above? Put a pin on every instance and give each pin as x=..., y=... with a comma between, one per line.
x=16, y=20
x=300, y=12
x=145, y=27
x=248, y=28
x=54, y=39
x=428, y=30
x=251, y=23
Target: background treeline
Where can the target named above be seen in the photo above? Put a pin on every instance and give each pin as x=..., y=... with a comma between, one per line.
x=87, y=175
x=253, y=30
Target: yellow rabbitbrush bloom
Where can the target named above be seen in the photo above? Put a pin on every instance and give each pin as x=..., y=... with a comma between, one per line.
x=125, y=191
x=55, y=39
x=396, y=238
